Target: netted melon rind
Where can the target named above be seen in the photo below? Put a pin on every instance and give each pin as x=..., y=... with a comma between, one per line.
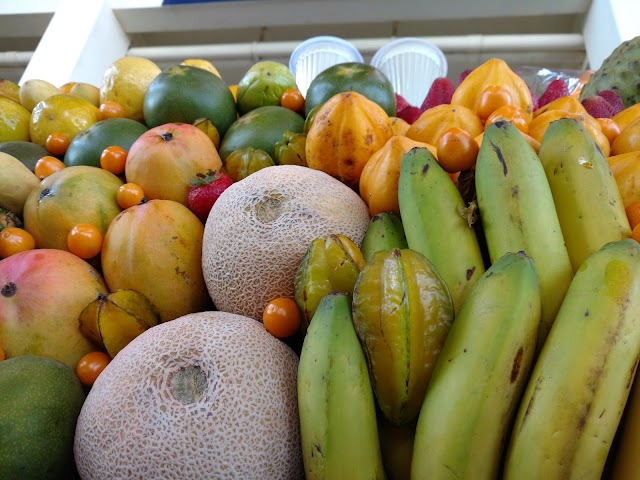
x=260, y=228
x=245, y=424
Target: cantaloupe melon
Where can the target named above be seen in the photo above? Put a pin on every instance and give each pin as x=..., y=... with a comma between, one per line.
x=210, y=395
x=259, y=229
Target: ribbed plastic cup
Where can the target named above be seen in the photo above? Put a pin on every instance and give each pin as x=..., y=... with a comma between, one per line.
x=411, y=64
x=317, y=54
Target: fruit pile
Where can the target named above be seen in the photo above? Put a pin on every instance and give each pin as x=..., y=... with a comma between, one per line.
x=200, y=280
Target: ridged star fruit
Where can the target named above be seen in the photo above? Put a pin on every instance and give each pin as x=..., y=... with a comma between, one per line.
x=402, y=313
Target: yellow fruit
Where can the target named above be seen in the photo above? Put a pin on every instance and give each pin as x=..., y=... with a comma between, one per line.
x=89, y=92
x=126, y=82
x=14, y=121
x=234, y=91
x=34, y=91
x=10, y=90
x=136, y=241
x=112, y=321
x=61, y=113
x=399, y=126
x=627, y=116
x=628, y=140
x=260, y=228
x=209, y=395
x=200, y=63
x=16, y=183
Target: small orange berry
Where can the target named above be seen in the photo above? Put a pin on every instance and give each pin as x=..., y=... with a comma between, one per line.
x=492, y=98
x=57, y=144
x=90, y=366
x=15, y=240
x=129, y=195
x=110, y=109
x=281, y=317
x=84, y=240
x=457, y=150
x=113, y=159
x=47, y=165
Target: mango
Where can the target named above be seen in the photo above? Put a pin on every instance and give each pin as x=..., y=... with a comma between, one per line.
x=42, y=293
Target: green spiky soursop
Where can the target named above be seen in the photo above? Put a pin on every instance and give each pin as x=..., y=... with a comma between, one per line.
x=619, y=72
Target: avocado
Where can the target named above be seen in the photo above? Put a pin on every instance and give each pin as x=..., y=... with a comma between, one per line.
x=27, y=152
x=261, y=129
x=87, y=146
x=40, y=401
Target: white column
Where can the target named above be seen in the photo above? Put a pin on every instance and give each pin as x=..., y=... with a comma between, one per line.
x=82, y=39
x=607, y=25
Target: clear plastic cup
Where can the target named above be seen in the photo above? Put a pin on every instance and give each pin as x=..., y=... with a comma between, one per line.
x=411, y=64
x=317, y=54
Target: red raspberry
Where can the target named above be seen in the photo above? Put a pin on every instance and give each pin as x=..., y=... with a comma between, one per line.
x=555, y=90
x=440, y=92
x=614, y=100
x=401, y=103
x=464, y=74
x=410, y=114
x=598, y=107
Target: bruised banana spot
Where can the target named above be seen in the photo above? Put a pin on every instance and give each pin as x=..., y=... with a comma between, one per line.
x=470, y=272
x=517, y=363
x=500, y=158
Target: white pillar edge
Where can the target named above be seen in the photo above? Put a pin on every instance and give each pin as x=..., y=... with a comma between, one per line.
x=79, y=51
x=608, y=23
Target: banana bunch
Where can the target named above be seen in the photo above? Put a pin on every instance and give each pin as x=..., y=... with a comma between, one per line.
x=585, y=193
x=335, y=400
x=578, y=389
x=626, y=460
x=518, y=213
x=384, y=232
x=432, y=212
x=480, y=375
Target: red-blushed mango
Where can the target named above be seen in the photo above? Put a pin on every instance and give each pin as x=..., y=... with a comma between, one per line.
x=42, y=293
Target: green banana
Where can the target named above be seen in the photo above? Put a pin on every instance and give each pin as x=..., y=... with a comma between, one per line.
x=402, y=312
x=336, y=405
x=580, y=383
x=585, y=192
x=384, y=232
x=432, y=212
x=482, y=370
x=625, y=463
x=518, y=213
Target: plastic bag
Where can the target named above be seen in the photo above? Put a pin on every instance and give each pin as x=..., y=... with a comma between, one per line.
x=538, y=78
